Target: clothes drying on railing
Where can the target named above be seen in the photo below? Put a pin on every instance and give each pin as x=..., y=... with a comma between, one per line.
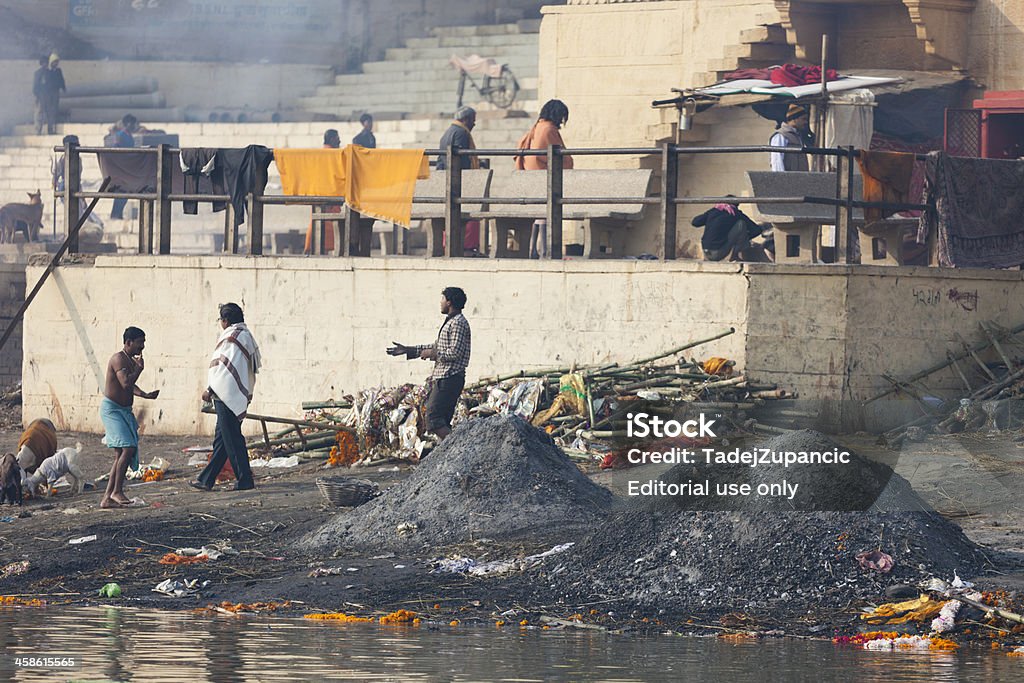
x=976, y=209
x=202, y=175
x=235, y=172
x=244, y=169
x=887, y=177
x=128, y=171
x=378, y=183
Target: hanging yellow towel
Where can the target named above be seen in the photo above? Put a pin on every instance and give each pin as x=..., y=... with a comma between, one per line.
x=312, y=172
x=381, y=182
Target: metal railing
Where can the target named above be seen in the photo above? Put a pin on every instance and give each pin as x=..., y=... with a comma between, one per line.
x=353, y=238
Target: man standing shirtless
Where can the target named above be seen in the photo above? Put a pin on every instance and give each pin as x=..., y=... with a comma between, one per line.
x=122, y=430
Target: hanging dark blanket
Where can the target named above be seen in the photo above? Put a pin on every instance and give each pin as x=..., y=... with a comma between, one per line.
x=977, y=210
x=128, y=171
x=243, y=169
x=202, y=176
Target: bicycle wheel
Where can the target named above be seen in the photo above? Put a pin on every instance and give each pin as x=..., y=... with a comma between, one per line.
x=502, y=91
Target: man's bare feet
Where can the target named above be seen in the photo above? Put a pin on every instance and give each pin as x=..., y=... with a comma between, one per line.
x=109, y=503
x=121, y=499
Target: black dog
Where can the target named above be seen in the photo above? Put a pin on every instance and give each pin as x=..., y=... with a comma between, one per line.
x=10, y=480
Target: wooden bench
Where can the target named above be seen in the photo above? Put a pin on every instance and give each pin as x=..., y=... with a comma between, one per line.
x=799, y=225
x=600, y=221
x=475, y=183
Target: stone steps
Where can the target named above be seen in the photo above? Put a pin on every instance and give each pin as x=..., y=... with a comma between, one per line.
x=417, y=77
x=445, y=82
x=435, y=102
x=527, y=63
x=522, y=26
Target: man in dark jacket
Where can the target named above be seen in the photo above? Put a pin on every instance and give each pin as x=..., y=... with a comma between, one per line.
x=38, y=80
x=727, y=231
x=51, y=83
x=793, y=132
x=365, y=137
x=459, y=135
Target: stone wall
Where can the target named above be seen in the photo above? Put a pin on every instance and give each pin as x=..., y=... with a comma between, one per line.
x=827, y=332
x=12, y=294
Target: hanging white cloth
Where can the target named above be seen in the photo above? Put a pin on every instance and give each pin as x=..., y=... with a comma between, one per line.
x=850, y=120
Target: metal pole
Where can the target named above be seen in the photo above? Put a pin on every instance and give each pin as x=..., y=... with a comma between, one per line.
x=669, y=208
x=824, y=103
x=72, y=186
x=853, y=240
x=554, y=208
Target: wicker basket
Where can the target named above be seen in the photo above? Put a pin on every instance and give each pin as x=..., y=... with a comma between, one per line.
x=347, y=491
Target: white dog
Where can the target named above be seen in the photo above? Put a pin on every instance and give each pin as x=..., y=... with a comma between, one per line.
x=63, y=463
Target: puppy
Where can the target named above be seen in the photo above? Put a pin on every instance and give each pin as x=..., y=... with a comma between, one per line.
x=10, y=480
x=63, y=463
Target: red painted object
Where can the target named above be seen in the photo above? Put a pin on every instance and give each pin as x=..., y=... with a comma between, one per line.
x=1002, y=124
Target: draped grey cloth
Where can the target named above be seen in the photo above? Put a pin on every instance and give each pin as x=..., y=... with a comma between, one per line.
x=977, y=211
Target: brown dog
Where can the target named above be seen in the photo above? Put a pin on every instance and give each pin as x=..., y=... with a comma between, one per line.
x=31, y=214
x=10, y=480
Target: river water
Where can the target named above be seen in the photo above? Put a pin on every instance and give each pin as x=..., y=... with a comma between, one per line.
x=121, y=644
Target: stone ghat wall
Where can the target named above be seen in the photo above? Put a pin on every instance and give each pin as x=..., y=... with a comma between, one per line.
x=828, y=332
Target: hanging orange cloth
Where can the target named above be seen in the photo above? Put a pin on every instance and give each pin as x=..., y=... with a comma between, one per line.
x=886, y=179
x=380, y=182
x=311, y=172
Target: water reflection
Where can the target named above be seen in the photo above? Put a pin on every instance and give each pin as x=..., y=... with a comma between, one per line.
x=114, y=644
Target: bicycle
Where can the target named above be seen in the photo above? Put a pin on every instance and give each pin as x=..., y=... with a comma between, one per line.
x=499, y=90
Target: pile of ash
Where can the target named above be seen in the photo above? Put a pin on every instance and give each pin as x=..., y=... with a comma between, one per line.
x=759, y=555
x=493, y=477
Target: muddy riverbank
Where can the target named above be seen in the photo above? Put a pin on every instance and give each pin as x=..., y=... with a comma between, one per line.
x=265, y=526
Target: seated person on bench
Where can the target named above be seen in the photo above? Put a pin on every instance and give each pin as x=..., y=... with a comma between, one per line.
x=727, y=231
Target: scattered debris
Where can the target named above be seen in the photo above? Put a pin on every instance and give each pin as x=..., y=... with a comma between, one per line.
x=177, y=558
x=465, y=565
x=14, y=569
x=82, y=539
x=874, y=559
x=280, y=462
x=211, y=553
x=581, y=407
x=110, y=590
x=177, y=588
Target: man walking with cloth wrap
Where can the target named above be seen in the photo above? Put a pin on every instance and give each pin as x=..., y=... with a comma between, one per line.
x=450, y=354
x=230, y=382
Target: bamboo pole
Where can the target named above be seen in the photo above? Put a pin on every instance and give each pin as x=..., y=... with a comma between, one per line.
x=950, y=359
x=692, y=344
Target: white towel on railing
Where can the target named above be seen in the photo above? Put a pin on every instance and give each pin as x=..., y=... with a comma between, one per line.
x=233, y=368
